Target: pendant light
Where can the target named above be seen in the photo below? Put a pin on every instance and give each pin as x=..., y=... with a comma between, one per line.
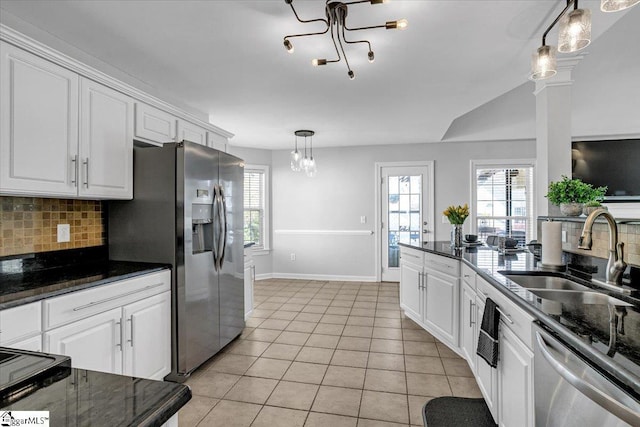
x=575, y=30
x=296, y=158
x=616, y=5
x=306, y=162
x=574, y=34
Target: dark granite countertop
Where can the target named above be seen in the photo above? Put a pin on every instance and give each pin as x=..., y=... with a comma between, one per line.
x=36, y=277
x=571, y=323
x=78, y=397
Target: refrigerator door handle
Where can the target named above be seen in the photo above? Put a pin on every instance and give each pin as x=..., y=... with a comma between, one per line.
x=214, y=244
x=223, y=227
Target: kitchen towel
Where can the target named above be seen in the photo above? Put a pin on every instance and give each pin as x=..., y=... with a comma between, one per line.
x=488, y=338
x=552, y=243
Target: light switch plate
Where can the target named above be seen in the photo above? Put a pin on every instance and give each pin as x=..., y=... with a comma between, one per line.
x=363, y=219
x=564, y=236
x=64, y=233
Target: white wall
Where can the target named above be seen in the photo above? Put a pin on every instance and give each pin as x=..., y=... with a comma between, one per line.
x=344, y=190
x=254, y=156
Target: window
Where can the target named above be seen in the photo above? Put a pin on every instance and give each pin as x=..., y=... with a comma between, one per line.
x=503, y=199
x=256, y=217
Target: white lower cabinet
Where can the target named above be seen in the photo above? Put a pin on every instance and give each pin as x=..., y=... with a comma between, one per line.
x=468, y=328
x=249, y=278
x=120, y=328
x=441, y=306
x=411, y=291
x=515, y=386
x=147, y=337
x=94, y=343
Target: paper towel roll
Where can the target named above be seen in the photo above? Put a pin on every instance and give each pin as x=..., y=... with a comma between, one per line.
x=552, y=243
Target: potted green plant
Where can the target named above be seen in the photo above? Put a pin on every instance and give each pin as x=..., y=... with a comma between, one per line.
x=597, y=196
x=572, y=194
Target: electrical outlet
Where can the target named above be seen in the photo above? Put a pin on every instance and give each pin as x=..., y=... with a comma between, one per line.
x=445, y=220
x=564, y=236
x=363, y=219
x=64, y=233
x=293, y=257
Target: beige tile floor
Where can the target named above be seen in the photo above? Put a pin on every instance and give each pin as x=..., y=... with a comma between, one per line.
x=325, y=354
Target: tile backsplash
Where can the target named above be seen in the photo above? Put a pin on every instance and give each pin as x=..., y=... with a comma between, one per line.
x=627, y=233
x=29, y=224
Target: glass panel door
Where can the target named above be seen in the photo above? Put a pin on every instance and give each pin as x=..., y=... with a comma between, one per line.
x=403, y=217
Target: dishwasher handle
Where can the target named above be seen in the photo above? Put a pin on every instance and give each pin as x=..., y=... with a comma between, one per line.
x=598, y=396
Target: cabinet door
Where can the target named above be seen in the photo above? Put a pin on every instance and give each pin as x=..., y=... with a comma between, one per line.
x=155, y=125
x=411, y=290
x=39, y=125
x=33, y=344
x=147, y=346
x=106, y=142
x=468, y=324
x=93, y=343
x=441, y=307
x=515, y=386
x=190, y=132
x=486, y=376
x=249, y=269
x=216, y=141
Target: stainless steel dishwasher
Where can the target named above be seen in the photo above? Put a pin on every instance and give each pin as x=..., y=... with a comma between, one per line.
x=570, y=392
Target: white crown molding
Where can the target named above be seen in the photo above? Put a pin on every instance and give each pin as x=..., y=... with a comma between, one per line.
x=22, y=41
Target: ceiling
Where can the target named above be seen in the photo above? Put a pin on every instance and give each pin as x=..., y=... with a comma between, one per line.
x=226, y=60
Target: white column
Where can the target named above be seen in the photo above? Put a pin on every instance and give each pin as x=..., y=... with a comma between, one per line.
x=553, y=131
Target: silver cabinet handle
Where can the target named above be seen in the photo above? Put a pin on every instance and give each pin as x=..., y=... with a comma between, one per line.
x=471, y=322
x=86, y=175
x=598, y=396
x=119, y=343
x=504, y=315
x=420, y=276
x=130, y=319
x=74, y=166
x=93, y=303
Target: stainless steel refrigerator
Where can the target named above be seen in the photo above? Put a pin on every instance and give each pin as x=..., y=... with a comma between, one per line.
x=187, y=211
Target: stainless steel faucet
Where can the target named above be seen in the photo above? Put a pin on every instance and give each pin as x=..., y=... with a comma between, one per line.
x=616, y=264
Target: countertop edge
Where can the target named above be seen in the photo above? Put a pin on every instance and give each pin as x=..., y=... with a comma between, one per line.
x=162, y=414
x=79, y=287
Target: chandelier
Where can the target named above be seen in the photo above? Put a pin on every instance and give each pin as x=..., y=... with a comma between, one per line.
x=336, y=20
x=574, y=34
x=300, y=163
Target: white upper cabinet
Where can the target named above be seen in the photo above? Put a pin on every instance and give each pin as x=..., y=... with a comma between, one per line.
x=62, y=135
x=39, y=121
x=106, y=143
x=154, y=125
x=190, y=132
x=216, y=141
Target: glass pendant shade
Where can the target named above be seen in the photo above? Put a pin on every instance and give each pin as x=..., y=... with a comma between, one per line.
x=543, y=63
x=616, y=5
x=304, y=163
x=311, y=168
x=296, y=158
x=575, y=31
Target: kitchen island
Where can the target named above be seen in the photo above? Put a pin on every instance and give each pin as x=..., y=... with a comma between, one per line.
x=79, y=397
x=448, y=299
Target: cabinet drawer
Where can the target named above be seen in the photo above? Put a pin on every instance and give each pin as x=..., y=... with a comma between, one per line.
x=78, y=305
x=20, y=322
x=514, y=317
x=414, y=256
x=442, y=264
x=468, y=275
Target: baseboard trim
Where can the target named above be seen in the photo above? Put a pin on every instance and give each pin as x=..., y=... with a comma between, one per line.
x=324, y=277
x=264, y=276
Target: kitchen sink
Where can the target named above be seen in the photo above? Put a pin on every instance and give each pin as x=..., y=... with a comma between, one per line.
x=578, y=297
x=538, y=281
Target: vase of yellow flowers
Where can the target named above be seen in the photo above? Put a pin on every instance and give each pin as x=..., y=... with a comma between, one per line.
x=456, y=216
